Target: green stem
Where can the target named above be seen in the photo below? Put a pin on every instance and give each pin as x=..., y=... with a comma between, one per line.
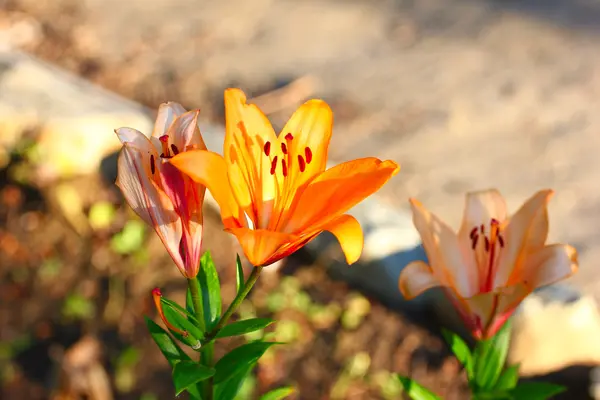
x=194, y=286
x=234, y=304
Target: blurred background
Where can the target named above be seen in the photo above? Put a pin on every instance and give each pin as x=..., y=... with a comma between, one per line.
x=464, y=94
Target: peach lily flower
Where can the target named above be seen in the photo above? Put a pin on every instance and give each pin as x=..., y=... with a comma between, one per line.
x=162, y=196
x=273, y=191
x=493, y=262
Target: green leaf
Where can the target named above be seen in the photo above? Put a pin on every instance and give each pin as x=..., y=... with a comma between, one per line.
x=244, y=326
x=181, y=322
x=190, y=315
x=240, y=359
x=536, y=391
x=460, y=350
x=278, y=394
x=489, y=358
x=211, y=291
x=416, y=391
x=229, y=388
x=166, y=344
x=508, y=379
x=188, y=373
x=239, y=278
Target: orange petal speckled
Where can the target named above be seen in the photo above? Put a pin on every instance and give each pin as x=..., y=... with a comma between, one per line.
x=274, y=192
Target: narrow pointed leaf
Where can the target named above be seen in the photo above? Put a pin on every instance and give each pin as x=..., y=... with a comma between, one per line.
x=460, y=350
x=244, y=326
x=490, y=357
x=240, y=359
x=185, y=311
x=278, y=394
x=416, y=391
x=181, y=322
x=211, y=291
x=187, y=373
x=508, y=379
x=228, y=389
x=536, y=391
x=189, y=304
x=168, y=347
x=240, y=274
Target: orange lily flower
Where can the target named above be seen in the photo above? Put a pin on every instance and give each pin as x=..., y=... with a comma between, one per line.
x=493, y=262
x=162, y=196
x=273, y=191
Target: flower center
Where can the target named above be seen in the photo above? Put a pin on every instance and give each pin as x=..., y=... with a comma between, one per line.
x=287, y=158
x=487, y=249
x=166, y=149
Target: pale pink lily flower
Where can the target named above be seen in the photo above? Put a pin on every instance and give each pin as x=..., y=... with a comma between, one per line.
x=159, y=193
x=493, y=262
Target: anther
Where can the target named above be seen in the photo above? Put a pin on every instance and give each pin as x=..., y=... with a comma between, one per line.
x=482, y=228
x=487, y=244
x=301, y=163
x=175, y=149
x=267, y=149
x=501, y=241
x=273, y=165
x=473, y=233
x=152, y=166
x=308, y=155
x=475, y=238
x=284, y=148
x=289, y=137
x=284, y=167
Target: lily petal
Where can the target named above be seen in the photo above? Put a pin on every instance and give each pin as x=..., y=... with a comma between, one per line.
x=480, y=208
x=184, y=132
x=337, y=190
x=148, y=201
x=309, y=131
x=444, y=252
x=247, y=130
x=210, y=170
x=525, y=233
x=416, y=278
x=549, y=265
x=260, y=245
x=167, y=112
x=348, y=232
x=136, y=138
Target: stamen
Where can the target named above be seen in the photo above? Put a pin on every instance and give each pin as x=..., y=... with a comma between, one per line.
x=308, y=155
x=267, y=149
x=273, y=165
x=501, y=241
x=284, y=148
x=475, y=238
x=152, y=166
x=487, y=244
x=482, y=228
x=175, y=149
x=284, y=167
x=289, y=137
x=164, y=141
x=473, y=233
x=301, y=163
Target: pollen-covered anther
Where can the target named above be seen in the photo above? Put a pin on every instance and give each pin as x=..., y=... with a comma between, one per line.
x=174, y=149
x=308, y=155
x=301, y=163
x=273, y=165
x=284, y=168
x=284, y=149
x=267, y=149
